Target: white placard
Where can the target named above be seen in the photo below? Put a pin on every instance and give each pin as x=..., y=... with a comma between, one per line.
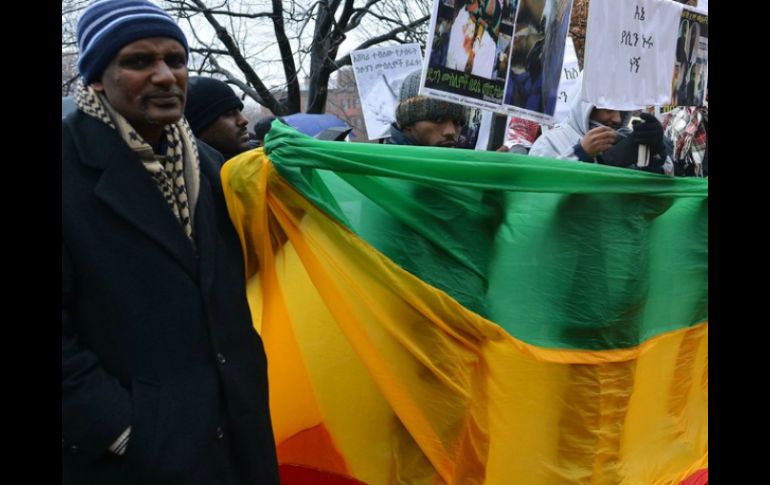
x=379, y=73
x=484, y=130
x=630, y=52
x=568, y=84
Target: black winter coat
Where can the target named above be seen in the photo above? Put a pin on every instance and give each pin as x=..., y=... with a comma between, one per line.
x=156, y=334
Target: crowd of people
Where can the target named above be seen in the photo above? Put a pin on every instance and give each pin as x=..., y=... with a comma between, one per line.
x=675, y=145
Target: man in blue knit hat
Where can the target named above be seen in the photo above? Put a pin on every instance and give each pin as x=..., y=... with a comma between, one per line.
x=164, y=378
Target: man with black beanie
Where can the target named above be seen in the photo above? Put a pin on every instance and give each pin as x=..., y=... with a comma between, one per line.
x=214, y=113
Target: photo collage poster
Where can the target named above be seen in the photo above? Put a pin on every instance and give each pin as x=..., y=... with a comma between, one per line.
x=499, y=55
x=691, y=65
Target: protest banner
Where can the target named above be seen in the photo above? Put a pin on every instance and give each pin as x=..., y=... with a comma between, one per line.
x=379, y=72
x=630, y=52
x=568, y=84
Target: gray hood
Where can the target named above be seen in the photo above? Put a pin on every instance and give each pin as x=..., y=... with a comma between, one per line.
x=559, y=141
x=579, y=115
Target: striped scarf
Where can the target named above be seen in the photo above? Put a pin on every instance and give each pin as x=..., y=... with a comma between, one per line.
x=176, y=172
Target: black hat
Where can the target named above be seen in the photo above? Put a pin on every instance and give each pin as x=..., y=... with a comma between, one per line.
x=207, y=99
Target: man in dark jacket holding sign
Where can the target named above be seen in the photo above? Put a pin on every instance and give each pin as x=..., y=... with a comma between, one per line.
x=163, y=375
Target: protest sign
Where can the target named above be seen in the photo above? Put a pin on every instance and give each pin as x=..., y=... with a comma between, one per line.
x=379, y=72
x=568, y=84
x=629, y=52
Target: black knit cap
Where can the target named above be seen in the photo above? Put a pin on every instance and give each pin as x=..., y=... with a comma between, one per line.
x=207, y=100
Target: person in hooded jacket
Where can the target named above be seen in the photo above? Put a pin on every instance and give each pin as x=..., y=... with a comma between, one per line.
x=596, y=135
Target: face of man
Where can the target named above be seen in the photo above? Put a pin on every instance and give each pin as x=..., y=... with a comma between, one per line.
x=440, y=133
x=228, y=133
x=146, y=82
x=607, y=117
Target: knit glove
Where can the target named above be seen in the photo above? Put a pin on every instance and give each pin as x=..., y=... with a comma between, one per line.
x=624, y=153
x=621, y=154
x=649, y=132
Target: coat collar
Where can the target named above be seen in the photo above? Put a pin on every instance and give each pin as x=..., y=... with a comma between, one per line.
x=127, y=188
x=397, y=137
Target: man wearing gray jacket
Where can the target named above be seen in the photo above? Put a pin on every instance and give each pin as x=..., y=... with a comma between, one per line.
x=596, y=135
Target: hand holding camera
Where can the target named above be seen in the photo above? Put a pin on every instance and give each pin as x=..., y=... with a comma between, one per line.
x=637, y=149
x=597, y=140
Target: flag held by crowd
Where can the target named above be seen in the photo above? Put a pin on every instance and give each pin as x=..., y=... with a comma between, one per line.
x=450, y=316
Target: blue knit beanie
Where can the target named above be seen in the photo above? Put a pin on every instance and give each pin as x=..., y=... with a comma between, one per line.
x=106, y=26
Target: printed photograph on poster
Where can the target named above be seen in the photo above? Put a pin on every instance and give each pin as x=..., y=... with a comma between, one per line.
x=468, y=43
x=540, y=32
x=485, y=130
x=379, y=72
x=501, y=57
x=520, y=133
x=691, y=66
x=469, y=134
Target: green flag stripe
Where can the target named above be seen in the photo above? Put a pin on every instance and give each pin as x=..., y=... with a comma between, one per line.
x=561, y=254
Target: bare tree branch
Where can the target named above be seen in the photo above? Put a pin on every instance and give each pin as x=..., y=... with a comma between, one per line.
x=359, y=14
x=233, y=79
x=289, y=69
x=209, y=51
x=69, y=84
x=392, y=35
x=378, y=16
x=268, y=100
x=184, y=10
x=236, y=39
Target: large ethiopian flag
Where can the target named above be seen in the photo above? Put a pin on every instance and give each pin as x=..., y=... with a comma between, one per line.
x=434, y=315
